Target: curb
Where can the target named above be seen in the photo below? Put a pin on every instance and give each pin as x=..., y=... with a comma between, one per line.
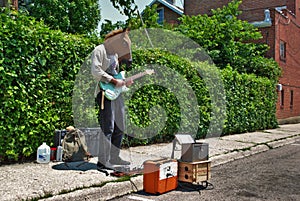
x=115, y=189
x=255, y=149
x=231, y=156
x=280, y=143
x=108, y=191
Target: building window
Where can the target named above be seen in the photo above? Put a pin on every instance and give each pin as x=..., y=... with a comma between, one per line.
x=170, y=1
x=282, y=98
x=160, y=12
x=292, y=99
x=282, y=50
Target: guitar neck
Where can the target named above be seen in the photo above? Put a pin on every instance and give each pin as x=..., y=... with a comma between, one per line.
x=136, y=76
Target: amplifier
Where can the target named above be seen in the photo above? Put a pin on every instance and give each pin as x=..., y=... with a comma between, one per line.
x=194, y=152
x=160, y=176
x=58, y=137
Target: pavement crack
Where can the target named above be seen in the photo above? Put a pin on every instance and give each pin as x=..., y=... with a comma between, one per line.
x=245, y=142
x=258, y=144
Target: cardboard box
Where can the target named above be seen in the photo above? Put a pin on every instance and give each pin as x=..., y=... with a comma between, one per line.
x=160, y=176
x=194, y=172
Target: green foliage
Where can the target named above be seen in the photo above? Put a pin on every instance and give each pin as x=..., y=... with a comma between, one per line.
x=134, y=22
x=37, y=68
x=250, y=100
x=227, y=40
x=150, y=19
x=161, y=102
x=71, y=16
x=125, y=7
x=108, y=26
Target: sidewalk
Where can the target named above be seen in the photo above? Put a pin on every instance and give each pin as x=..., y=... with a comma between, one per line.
x=81, y=181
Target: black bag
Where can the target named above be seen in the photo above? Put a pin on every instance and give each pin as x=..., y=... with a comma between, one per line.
x=74, y=146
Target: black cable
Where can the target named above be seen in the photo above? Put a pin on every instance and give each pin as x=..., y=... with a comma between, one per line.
x=132, y=183
x=192, y=187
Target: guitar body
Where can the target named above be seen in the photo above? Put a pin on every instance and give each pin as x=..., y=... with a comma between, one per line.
x=112, y=92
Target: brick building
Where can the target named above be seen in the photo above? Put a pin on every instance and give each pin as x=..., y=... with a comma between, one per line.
x=167, y=11
x=279, y=23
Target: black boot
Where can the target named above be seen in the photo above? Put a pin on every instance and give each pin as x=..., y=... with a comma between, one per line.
x=100, y=166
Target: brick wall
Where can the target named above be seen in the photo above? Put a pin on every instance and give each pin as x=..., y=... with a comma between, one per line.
x=288, y=31
x=253, y=10
x=268, y=34
x=170, y=16
x=196, y=7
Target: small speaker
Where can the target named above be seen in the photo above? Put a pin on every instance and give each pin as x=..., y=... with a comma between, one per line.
x=194, y=152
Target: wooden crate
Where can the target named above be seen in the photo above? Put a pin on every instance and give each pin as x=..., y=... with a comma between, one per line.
x=194, y=172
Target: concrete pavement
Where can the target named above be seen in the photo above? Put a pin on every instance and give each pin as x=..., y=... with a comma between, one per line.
x=81, y=181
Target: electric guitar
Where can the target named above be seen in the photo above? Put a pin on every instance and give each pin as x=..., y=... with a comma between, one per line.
x=112, y=92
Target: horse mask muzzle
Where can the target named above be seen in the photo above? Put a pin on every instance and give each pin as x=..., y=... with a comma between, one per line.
x=126, y=62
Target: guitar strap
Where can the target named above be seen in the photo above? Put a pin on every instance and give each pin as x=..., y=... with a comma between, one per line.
x=111, y=71
x=102, y=100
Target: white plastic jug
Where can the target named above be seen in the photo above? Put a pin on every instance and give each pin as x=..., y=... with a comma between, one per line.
x=43, y=153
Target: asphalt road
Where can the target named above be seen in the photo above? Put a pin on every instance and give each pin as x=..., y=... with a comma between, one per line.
x=272, y=175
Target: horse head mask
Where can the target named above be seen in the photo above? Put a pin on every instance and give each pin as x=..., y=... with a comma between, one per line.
x=118, y=42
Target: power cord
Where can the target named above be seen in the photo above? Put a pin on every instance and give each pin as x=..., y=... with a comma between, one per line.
x=193, y=187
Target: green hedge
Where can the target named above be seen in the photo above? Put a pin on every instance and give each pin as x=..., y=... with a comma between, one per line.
x=251, y=102
x=248, y=101
x=37, y=68
x=170, y=91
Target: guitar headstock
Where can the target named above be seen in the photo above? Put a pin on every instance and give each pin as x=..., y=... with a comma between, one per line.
x=149, y=71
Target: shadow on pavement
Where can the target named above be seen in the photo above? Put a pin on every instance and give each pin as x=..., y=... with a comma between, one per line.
x=189, y=187
x=183, y=187
x=79, y=166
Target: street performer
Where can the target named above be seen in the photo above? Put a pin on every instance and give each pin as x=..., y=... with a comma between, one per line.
x=106, y=59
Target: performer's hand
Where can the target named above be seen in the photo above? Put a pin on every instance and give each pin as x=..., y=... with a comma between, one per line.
x=117, y=82
x=120, y=83
x=129, y=83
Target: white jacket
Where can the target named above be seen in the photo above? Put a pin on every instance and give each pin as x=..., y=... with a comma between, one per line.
x=100, y=64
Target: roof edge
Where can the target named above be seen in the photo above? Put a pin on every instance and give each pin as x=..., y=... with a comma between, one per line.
x=170, y=6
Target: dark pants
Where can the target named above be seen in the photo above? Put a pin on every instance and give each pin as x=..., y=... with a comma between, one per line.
x=111, y=119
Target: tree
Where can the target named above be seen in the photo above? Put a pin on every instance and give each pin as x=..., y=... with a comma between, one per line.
x=71, y=16
x=134, y=21
x=130, y=9
x=108, y=26
x=230, y=41
x=125, y=7
x=148, y=20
